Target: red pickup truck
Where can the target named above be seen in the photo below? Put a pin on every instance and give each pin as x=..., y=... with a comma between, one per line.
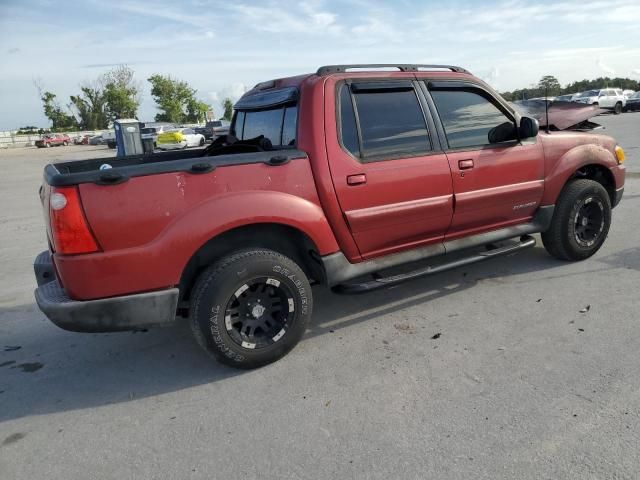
x=53, y=140
x=336, y=178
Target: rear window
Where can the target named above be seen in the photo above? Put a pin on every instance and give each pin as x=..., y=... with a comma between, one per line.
x=215, y=124
x=276, y=124
x=391, y=122
x=148, y=130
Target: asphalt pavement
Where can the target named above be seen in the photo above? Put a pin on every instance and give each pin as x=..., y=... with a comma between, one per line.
x=522, y=368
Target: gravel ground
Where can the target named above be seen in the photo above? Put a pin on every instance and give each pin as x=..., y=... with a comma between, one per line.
x=522, y=368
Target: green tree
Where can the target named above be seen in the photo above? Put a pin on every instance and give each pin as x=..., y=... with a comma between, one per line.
x=91, y=106
x=121, y=93
x=176, y=100
x=196, y=111
x=60, y=120
x=549, y=85
x=228, y=109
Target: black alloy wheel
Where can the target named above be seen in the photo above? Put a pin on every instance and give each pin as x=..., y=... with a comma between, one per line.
x=259, y=313
x=589, y=222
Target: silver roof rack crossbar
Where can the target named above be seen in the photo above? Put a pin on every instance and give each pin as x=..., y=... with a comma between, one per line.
x=329, y=69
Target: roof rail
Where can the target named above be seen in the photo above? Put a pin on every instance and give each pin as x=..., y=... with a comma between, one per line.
x=329, y=69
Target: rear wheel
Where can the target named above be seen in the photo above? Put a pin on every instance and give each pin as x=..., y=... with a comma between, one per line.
x=251, y=308
x=580, y=222
x=65, y=143
x=617, y=110
x=202, y=141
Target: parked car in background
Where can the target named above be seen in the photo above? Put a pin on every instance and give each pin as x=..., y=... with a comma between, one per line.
x=53, y=140
x=81, y=140
x=214, y=129
x=633, y=103
x=96, y=140
x=151, y=130
x=609, y=98
x=628, y=93
x=109, y=138
x=179, y=138
x=565, y=98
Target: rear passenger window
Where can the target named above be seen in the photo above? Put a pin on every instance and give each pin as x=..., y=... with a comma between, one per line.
x=467, y=117
x=391, y=122
x=348, y=130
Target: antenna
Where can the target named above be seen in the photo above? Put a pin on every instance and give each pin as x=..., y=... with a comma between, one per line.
x=546, y=106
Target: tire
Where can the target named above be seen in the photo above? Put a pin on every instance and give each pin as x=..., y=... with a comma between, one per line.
x=580, y=222
x=47, y=145
x=251, y=308
x=201, y=142
x=617, y=110
x=64, y=144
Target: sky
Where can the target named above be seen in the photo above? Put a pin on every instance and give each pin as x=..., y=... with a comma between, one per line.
x=222, y=48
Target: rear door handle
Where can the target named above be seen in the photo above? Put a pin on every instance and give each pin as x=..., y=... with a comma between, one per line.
x=358, y=179
x=465, y=164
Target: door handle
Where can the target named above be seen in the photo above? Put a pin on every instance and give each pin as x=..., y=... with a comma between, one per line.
x=465, y=164
x=358, y=179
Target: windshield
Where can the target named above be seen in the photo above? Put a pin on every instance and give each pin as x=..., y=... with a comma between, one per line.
x=148, y=130
x=635, y=95
x=216, y=123
x=589, y=93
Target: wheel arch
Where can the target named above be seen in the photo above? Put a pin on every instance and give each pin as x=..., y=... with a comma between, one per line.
x=279, y=237
x=598, y=173
x=588, y=161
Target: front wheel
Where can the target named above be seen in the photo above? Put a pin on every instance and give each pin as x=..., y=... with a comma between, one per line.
x=580, y=222
x=251, y=308
x=201, y=142
x=617, y=110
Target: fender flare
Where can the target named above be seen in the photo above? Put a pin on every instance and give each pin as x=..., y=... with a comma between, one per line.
x=237, y=209
x=571, y=161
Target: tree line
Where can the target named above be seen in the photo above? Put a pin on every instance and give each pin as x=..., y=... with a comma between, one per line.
x=550, y=86
x=115, y=94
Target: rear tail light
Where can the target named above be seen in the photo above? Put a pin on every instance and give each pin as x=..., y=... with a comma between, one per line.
x=69, y=227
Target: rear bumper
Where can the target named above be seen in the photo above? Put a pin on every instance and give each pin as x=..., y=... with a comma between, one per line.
x=171, y=146
x=127, y=312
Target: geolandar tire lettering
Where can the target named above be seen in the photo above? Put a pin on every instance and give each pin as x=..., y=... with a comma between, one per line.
x=580, y=222
x=251, y=308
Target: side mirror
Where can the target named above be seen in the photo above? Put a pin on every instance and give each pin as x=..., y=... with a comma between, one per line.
x=528, y=127
x=502, y=133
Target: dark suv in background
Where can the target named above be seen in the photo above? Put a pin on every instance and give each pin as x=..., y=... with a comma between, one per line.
x=214, y=129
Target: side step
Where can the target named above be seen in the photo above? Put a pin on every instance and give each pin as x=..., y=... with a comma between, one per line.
x=526, y=241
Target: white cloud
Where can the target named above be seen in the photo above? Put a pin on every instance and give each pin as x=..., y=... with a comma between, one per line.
x=605, y=68
x=219, y=47
x=233, y=91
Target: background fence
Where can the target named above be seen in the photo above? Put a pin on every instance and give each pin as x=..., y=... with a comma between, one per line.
x=12, y=140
